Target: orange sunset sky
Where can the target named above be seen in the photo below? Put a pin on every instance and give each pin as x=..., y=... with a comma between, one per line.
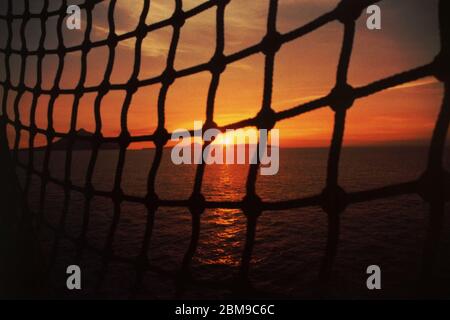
x=304, y=69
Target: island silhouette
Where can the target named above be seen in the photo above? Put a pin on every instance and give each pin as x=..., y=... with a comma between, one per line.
x=80, y=143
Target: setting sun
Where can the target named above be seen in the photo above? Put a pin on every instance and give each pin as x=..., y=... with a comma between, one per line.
x=241, y=136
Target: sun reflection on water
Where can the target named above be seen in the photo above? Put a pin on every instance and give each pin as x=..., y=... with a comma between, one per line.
x=223, y=239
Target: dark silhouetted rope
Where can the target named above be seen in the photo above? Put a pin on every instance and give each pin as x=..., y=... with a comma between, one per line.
x=433, y=186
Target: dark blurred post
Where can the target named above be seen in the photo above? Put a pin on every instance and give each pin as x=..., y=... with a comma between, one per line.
x=435, y=183
x=20, y=263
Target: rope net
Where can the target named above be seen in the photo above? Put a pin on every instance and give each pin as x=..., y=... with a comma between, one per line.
x=432, y=186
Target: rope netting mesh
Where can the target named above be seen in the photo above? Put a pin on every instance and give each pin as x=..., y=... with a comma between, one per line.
x=432, y=186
